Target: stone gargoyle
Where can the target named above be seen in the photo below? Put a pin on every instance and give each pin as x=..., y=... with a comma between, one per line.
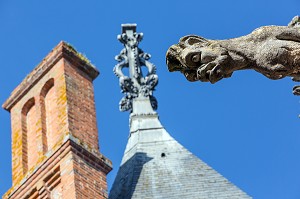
x=273, y=51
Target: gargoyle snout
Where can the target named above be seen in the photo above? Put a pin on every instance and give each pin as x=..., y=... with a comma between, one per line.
x=172, y=59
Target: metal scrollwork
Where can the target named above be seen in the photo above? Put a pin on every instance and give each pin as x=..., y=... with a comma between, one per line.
x=131, y=57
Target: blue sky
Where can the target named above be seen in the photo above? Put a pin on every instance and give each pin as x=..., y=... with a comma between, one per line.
x=246, y=127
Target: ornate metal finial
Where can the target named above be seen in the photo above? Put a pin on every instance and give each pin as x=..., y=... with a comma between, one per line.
x=135, y=85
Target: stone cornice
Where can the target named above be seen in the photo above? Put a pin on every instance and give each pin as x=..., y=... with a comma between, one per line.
x=62, y=50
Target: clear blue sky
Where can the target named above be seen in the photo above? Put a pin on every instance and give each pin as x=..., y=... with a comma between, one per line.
x=246, y=127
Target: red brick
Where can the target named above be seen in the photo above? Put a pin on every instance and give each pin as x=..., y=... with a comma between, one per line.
x=54, y=132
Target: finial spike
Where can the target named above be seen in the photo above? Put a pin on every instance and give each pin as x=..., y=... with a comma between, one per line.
x=128, y=26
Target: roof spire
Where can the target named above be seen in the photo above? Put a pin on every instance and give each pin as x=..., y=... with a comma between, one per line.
x=154, y=164
x=137, y=88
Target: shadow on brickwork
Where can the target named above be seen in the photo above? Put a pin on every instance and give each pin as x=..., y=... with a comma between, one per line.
x=128, y=176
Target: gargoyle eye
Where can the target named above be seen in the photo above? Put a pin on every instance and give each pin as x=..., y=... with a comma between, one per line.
x=192, y=60
x=196, y=58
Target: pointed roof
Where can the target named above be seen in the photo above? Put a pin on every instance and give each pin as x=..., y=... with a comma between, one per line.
x=154, y=164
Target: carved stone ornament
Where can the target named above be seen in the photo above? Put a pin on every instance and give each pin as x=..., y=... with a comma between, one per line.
x=131, y=57
x=273, y=51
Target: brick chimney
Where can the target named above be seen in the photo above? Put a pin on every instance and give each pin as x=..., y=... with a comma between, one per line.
x=55, y=149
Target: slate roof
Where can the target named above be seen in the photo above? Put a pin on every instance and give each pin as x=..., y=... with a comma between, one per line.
x=155, y=165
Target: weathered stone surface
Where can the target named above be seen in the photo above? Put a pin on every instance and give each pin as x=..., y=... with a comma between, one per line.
x=273, y=51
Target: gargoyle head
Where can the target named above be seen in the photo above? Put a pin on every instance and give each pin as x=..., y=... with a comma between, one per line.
x=186, y=56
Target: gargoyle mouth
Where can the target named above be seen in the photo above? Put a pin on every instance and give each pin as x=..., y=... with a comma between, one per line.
x=172, y=59
x=174, y=63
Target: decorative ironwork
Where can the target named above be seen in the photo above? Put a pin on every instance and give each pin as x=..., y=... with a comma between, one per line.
x=135, y=85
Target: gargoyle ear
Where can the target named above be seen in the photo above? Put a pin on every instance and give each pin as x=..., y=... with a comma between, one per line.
x=295, y=22
x=192, y=39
